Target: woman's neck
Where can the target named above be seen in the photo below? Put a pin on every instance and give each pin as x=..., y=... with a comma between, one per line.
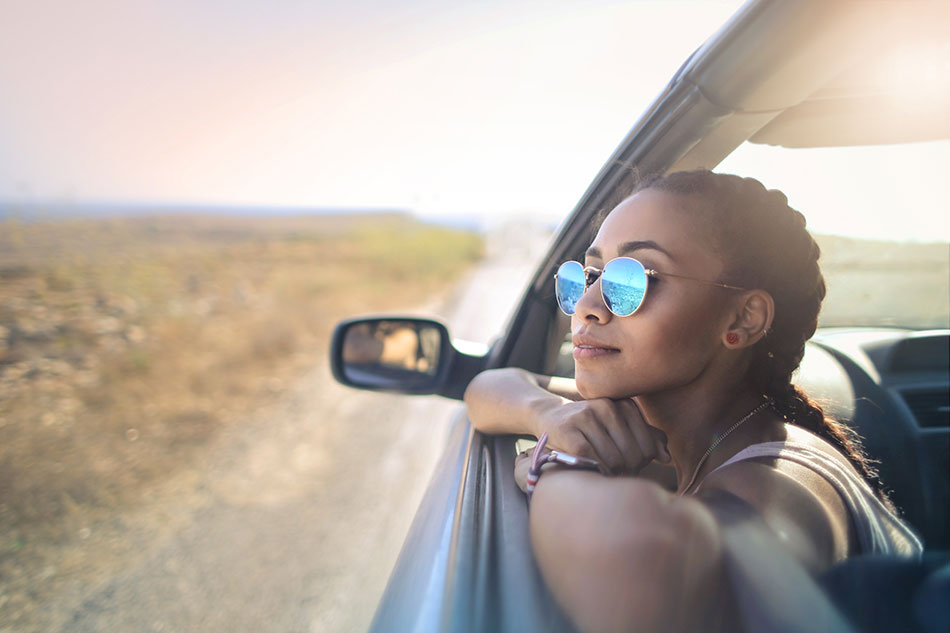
x=693, y=419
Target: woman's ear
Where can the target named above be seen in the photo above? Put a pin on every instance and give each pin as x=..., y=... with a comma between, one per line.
x=753, y=318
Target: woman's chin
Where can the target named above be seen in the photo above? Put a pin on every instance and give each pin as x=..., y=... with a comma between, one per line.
x=590, y=388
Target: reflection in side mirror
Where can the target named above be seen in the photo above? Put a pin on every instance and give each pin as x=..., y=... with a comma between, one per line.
x=395, y=354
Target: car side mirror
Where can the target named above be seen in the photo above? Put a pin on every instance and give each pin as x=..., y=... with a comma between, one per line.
x=402, y=355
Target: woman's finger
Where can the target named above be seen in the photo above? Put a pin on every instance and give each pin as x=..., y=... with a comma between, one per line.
x=663, y=451
x=651, y=439
x=567, y=437
x=641, y=430
x=595, y=432
x=614, y=421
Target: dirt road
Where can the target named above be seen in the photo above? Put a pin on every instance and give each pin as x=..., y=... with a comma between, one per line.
x=297, y=516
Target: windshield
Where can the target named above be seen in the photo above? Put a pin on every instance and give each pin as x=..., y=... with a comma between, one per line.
x=880, y=219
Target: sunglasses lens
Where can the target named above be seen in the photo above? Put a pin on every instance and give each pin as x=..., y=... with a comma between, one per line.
x=569, y=286
x=623, y=284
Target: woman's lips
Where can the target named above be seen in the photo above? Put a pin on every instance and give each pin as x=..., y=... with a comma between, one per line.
x=587, y=346
x=593, y=351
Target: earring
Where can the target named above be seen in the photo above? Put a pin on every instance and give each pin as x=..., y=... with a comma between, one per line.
x=732, y=338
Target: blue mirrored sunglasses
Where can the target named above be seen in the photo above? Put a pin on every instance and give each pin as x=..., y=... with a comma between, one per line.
x=623, y=284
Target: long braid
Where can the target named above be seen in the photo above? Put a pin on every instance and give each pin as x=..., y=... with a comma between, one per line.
x=765, y=245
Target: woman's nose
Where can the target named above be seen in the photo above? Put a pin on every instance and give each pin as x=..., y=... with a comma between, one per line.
x=591, y=306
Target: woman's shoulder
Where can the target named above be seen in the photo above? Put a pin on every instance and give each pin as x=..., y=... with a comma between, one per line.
x=801, y=506
x=793, y=439
x=798, y=437
x=796, y=445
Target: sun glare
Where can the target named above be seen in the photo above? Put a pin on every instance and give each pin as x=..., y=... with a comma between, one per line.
x=887, y=192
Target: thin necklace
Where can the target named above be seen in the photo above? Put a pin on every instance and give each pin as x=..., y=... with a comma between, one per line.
x=702, y=460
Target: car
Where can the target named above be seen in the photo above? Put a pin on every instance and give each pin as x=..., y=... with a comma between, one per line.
x=777, y=78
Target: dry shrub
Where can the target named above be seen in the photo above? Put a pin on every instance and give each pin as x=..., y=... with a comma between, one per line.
x=125, y=345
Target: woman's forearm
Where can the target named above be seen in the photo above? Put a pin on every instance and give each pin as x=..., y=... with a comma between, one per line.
x=510, y=400
x=612, y=432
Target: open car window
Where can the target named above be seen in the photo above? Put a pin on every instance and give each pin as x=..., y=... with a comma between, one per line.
x=879, y=216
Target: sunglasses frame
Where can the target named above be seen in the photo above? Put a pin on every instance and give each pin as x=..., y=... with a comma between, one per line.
x=590, y=271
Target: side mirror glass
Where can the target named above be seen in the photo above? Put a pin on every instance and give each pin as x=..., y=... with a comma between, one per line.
x=400, y=354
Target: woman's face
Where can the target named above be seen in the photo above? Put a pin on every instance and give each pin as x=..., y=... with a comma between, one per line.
x=671, y=339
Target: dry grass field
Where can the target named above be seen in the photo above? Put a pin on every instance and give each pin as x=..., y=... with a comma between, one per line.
x=127, y=344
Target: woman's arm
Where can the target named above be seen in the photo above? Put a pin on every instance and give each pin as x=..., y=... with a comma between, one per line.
x=621, y=554
x=512, y=400
x=613, y=432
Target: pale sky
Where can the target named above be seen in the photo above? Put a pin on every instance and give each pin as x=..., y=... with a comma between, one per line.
x=442, y=107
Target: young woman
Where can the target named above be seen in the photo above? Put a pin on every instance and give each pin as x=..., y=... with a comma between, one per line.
x=688, y=317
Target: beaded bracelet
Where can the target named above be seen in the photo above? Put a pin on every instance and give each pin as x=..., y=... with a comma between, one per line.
x=539, y=459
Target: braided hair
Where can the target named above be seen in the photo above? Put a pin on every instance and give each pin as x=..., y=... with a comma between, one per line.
x=764, y=244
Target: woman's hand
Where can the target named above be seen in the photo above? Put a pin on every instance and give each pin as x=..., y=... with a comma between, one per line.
x=613, y=432
x=522, y=465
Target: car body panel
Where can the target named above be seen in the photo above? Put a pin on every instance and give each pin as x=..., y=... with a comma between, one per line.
x=448, y=576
